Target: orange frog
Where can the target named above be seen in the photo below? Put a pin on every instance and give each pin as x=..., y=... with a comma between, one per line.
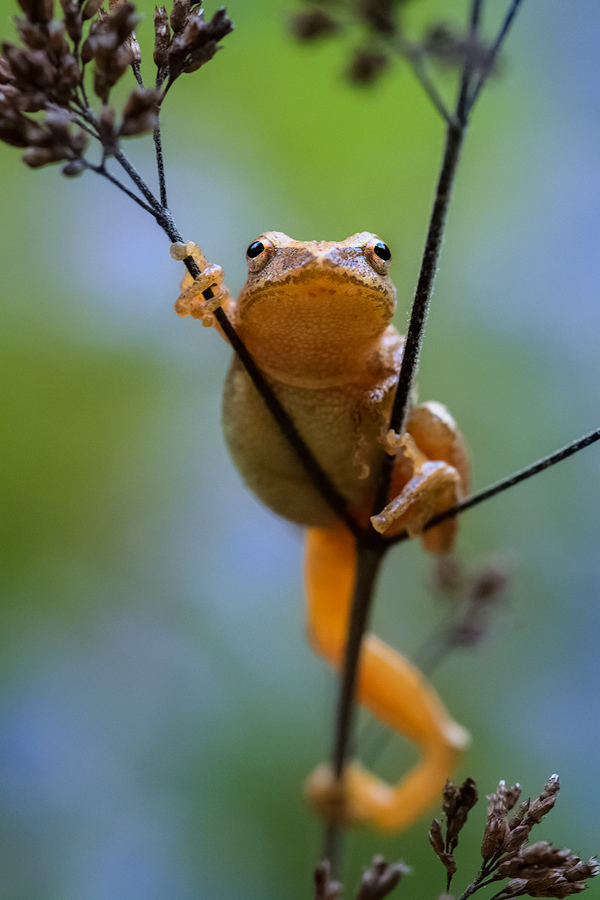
x=315, y=316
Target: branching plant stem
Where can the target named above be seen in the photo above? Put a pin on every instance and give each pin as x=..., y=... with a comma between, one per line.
x=456, y=127
x=371, y=547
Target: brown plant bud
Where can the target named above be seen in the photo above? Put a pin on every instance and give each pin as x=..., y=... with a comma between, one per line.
x=40, y=12
x=378, y=15
x=367, y=65
x=515, y=838
x=515, y=887
x=496, y=825
x=90, y=9
x=380, y=879
x=490, y=582
x=6, y=75
x=180, y=15
x=542, y=805
x=162, y=37
x=577, y=870
x=439, y=847
x=198, y=43
x=13, y=128
x=325, y=888
x=312, y=25
x=32, y=35
x=458, y=801
x=140, y=113
x=72, y=19
x=520, y=814
x=106, y=127
x=73, y=169
x=36, y=157
x=512, y=796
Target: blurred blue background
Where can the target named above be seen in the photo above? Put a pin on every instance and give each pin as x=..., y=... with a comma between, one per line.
x=159, y=707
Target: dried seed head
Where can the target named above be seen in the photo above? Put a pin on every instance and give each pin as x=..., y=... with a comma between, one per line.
x=180, y=15
x=378, y=15
x=162, y=37
x=496, y=825
x=325, y=888
x=73, y=169
x=90, y=9
x=39, y=12
x=140, y=113
x=380, y=879
x=313, y=24
x=542, y=805
x=198, y=42
x=367, y=65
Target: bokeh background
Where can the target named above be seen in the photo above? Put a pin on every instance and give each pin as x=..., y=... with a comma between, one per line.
x=159, y=707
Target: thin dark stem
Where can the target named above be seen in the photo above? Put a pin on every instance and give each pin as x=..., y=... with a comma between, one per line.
x=368, y=565
x=100, y=170
x=505, y=483
x=137, y=73
x=454, y=140
x=415, y=57
x=160, y=165
x=462, y=107
x=484, y=74
x=137, y=180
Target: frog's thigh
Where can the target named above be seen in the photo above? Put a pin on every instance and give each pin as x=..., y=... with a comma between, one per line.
x=437, y=435
x=389, y=685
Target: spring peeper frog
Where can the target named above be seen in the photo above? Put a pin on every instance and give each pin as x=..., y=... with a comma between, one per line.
x=316, y=316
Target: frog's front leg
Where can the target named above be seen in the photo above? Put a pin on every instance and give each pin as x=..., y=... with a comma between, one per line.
x=202, y=295
x=433, y=487
x=390, y=686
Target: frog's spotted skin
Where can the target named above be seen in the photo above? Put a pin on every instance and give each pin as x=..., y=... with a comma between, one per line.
x=316, y=317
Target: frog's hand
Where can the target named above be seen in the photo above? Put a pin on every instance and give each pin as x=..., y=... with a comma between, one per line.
x=440, y=478
x=392, y=688
x=201, y=296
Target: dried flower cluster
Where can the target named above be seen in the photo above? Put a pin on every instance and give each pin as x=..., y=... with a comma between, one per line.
x=184, y=41
x=47, y=73
x=380, y=24
x=474, y=597
x=537, y=870
x=457, y=802
x=377, y=882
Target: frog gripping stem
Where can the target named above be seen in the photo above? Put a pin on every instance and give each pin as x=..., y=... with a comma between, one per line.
x=390, y=687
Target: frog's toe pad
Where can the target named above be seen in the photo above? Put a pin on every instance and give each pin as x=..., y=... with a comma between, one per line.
x=349, y=800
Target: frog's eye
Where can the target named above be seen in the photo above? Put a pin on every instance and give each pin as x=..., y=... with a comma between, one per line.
x=258, y=254
x=378, y=255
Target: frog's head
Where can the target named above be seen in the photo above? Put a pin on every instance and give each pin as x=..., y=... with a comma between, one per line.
x=318, y=299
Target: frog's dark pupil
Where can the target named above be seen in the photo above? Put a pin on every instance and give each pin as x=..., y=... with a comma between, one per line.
x=255, y=249
x=383, y=251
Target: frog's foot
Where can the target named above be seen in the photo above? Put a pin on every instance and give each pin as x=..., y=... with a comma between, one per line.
x=349, y=800
x=435, y=486
x=200, y=296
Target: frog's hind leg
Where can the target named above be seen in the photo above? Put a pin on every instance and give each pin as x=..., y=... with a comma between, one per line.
x=390, y=686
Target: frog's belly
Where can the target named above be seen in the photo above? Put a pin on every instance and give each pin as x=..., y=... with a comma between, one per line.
x=342, y=427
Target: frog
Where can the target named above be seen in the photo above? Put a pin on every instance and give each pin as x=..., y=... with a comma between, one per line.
x=316, y=317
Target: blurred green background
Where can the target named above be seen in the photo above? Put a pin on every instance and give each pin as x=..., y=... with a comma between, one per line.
x=159, y=707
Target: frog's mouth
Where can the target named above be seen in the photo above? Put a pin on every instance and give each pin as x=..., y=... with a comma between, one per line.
x=315, y=320
x=332, y=289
